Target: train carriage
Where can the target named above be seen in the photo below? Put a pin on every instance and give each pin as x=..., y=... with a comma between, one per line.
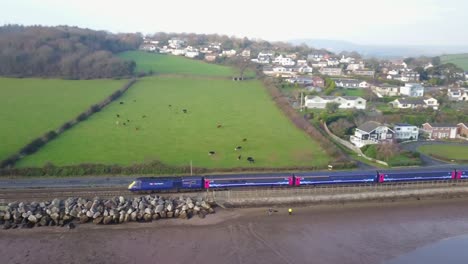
x=270, y=180
x=166, y=183
x=418, y=175
x=342, y=177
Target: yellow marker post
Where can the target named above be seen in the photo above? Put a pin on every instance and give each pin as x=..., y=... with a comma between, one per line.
x=290, y=211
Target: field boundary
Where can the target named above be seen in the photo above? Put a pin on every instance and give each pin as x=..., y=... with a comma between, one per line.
x=39, y=142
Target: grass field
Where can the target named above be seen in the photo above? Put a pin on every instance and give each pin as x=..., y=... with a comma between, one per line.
x=353, y=92
x=447, y=151
x=243, y=109
x=31, y=107
x=461, y=60
x=175, y=64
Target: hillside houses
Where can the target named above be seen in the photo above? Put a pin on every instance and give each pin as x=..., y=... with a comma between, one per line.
x=457, y=94
x=351, y=83
x=412, y=90
x=411, y=103
x=345, y=102
x=331, y=71
x=386, y=90
x=372, y=132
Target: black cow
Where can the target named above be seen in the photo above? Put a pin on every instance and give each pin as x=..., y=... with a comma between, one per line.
x=184, y=110
x=128, y=120
x=251, y=160
x=239, y=157
x=211, y=153
x=244, y=140
x=118, y=115
x=143, y=116
x=238, y=148
x=121, y=102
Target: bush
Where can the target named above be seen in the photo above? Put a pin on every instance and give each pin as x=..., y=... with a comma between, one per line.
x=371, y=151
x=32, y=147
x=50, y=135
x=81, y=117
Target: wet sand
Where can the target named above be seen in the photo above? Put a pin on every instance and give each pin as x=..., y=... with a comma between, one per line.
x=350, y=233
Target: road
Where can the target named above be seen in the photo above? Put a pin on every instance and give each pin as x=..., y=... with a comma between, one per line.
x=427, y=160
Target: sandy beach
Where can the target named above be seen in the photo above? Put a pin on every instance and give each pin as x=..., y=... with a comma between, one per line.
x=349, y=233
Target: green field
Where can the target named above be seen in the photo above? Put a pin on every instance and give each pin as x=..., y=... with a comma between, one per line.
x=354, y=92
x=454, y=152
x=31, y=107
x=461, y=60
x=170, y=64
x=243, y=109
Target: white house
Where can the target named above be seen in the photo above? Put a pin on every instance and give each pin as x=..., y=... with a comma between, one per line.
x=457, y=94
x=386, y=90
x=393, y=72
x=178, y=52
x=409, y=76
x=351, y=83
x=192, y=53
x=372, y=132
x=347, y=60
x=331, y=71
x=285, y=61
x=355, y=66
x=148, y=47
x=229, y=53
x=412, y=89
x=320, y=64
x=333, y=62
x=346, y=102
x=176, y=43
x=405, y=103
x=406, y=132
x=304, y=69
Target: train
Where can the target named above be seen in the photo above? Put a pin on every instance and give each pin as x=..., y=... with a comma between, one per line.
x=188, y=183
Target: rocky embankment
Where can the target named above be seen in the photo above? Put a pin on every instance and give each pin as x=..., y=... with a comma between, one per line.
x=101, y=211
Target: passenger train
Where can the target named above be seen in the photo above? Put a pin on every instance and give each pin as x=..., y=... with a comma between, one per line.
x=185, y=183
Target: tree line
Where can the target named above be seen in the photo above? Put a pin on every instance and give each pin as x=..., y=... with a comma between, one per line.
x=65, y=52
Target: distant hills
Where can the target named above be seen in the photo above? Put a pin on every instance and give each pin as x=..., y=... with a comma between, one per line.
x=381, y=51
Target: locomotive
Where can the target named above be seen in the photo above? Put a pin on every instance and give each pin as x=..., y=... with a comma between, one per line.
x=206, y=182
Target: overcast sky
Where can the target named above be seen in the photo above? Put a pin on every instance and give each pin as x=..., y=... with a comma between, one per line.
x=405, y=22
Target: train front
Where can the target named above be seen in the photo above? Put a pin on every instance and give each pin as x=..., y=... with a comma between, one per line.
x=134, y=186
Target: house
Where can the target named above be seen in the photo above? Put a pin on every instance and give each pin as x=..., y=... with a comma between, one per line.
x=176, y=43
x=393, y=72
x=302, y=63
x=285, y=61
x=347, y=60
x=333, y=62
x=412, y=89
x=320, y=64
x=301, y=80
x=405, y=103
x=355, y=66
x=313, y=89
x=210, y=57
x=192, y=53
x=319, y=82
x=245, y=53
x=406, y=132
x=304, y=69
x=462, y=130
x=364, y=72
x=315, y=56
x=351, y=83
x=148, y=47
x=372, y=132
x=262, y=59
x=386, y=90
x=178, y=52
x=267, y=53
x=215, y=46
x=346, y=102
x=457, y=94
x=440, y=131
x=409, y=76
x=331, y=71
x=229, y=53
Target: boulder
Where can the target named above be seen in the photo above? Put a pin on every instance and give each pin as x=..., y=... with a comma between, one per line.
x=121, y=200
x=183, y=215
x=98, y=220
x=121, y=217
x=156, y=217
x=159, y=208
x=89, y=214
x=205, y=205
x=32, y=219
x=196, y=208
x=170, y=214
x=133, y=216
x=169, y=207
x=163, y=214
x=148, y=211
x=45, y=221
x=84, y=219
x=55, y=217
x=7, y=225
x=96, y=215
x=147, y=217
x=7, y=216
x=211, y=210
x=107, y=220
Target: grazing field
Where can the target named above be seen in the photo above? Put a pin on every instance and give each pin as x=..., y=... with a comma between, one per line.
x=461, y=60
x=454, y=152
x=175, y=64
x=151, y=125
x=31, y=107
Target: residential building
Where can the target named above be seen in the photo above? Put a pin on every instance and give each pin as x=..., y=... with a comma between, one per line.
x=215, y=46
x=406, y=132
x=331, y=71
x=412, y=89
x=262, y=59
x=347, y=60
x=176, y=43
x=178, y=52
x=346, y=102
x=372, y=132
x=393, y=72
x=315, y=56
x=355, y=66
x=319, y=82
x=285, y=61
x=351, y=83
x=320, y=64
x=364, y=72
x=333, y=62
x=457, y=94
x=302, y=63
x=210, y=57
x=405, y=103
x=304, y=69
x=192, y=53
x=245, y=53
x=148, y=47
x=409, y=76
x=229, y=53
x=386, y=90
x=462, y=130
x=440, y=131
x=267, y=53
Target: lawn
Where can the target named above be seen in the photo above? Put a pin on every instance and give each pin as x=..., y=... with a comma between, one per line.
x=449, y=152
x=175, y=64
x=31, y=107
x=157, y=131
x=461, y=60
x=353, y=92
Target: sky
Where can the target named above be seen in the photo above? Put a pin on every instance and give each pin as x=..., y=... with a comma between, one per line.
x=372, y=22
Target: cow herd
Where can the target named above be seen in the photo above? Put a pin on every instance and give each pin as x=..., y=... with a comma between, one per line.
x=185, y=111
